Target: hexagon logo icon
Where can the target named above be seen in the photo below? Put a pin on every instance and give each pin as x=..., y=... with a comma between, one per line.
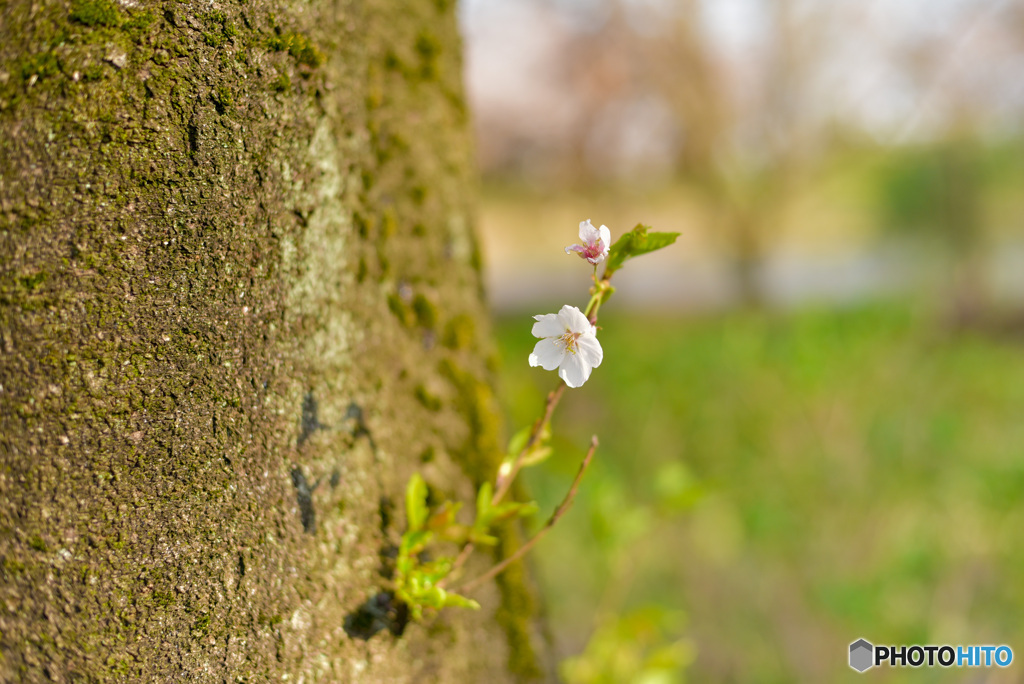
x=861, y=655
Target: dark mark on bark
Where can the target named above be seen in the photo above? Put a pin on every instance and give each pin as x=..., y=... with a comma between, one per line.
x=356, y=413
x=387, y=556
x=193, y=137
x=386, y=509
x=304, y=494
x=379, y=612
x=388, y=552
x=310, y=422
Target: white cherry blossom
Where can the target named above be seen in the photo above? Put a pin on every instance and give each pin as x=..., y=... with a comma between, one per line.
x=569, y=343
x=595, y=243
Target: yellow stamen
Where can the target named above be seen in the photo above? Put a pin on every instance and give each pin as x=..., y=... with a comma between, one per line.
x=569, y=340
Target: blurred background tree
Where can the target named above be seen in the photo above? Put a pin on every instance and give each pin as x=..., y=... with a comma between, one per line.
x=797, y=448
x=742, y=110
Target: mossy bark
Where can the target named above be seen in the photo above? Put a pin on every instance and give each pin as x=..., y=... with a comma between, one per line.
x=239, y=305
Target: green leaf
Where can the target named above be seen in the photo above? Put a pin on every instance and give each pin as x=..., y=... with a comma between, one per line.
x=416, y=584
x=433, y=597
x=537, y=455
x=437, y=571
x=512, y=509
x=414, y=542
x=416, y=502
x=460, y=601
x=522, y=438
x=444, y=517
x=518, y=441
x=634, y=243
x=456, y=533
x=483, y=501
x=480, y=537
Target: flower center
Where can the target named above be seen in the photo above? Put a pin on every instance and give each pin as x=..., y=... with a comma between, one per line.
x=569, y=340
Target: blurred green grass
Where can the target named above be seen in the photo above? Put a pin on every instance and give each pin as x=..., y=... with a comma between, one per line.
x=788, y=481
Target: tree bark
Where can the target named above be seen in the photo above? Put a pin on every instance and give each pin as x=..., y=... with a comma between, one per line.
x=240, y=304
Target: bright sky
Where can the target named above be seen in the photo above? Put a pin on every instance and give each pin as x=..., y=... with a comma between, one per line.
x=510, y=45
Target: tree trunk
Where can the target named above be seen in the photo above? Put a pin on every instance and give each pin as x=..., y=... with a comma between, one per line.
x=239, y=306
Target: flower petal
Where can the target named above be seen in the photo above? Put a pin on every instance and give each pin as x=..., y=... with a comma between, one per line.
x=574, y=370
x=547, y=325
x=575, y=248
x=606, y=237
x=588, y=233
x=573, y=319
x=547, y=354
x=590, y=349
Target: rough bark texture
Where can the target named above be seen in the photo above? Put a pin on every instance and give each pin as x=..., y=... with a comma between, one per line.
x=239, y=305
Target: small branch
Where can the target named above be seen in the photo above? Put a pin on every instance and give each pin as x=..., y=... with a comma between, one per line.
x=460, y=560
x=559, y=512
x=600, y=293
x=504, y=480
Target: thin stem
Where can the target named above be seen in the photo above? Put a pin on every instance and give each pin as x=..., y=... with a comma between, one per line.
x=592, y=316
x=460, y=560
x=602, y=288
x=559, y=512
x=505, y=479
